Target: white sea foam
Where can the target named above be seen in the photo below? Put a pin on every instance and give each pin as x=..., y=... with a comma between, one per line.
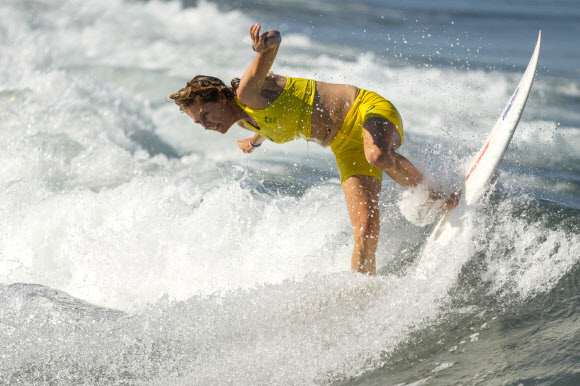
x=538, y=256
x=442, y=366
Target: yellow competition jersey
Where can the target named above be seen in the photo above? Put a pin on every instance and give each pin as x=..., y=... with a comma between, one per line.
x=289, y=116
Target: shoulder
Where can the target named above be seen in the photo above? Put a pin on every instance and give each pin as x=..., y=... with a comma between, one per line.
x=249, y=97
x=275, y=82
x=254, y=99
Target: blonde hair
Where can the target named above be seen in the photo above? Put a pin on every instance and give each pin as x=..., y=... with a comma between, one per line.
x=202, y=89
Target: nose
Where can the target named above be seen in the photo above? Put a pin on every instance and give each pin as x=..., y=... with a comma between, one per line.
x=205, y=124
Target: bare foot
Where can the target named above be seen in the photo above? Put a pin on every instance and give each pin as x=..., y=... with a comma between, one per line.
x=449, y=201
x=452, y=201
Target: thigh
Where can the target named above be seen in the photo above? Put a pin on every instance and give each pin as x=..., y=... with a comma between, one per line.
x=353, y=162
x=362, y=200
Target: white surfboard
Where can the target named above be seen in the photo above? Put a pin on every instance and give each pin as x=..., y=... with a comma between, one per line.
x=483, y=170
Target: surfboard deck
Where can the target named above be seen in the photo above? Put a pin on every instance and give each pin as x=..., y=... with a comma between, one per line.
x=483, y=170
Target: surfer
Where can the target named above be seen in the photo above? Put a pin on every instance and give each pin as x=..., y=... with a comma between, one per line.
x=363, y=129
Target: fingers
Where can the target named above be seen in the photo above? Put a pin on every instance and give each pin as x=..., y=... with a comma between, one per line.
x=260, y=42
x=243, y=145
x=255, y=32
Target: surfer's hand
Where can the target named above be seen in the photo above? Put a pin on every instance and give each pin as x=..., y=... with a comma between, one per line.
x=244, y=144
x=262, y=43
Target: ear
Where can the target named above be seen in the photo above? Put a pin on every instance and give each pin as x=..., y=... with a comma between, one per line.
x=222, y=98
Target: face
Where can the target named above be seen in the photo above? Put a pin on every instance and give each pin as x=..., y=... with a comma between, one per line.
x=212, y=115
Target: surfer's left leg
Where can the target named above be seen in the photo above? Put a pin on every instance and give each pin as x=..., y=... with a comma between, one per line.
x=381, y=138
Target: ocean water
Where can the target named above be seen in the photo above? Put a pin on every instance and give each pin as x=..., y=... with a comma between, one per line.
x=137, y=249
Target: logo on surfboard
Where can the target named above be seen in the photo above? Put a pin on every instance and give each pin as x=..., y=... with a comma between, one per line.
x=510, y=105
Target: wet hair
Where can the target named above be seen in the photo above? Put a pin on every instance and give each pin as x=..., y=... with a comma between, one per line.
x=203, y=89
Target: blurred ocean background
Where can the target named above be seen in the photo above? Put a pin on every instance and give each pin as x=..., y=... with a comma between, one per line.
x=137, y=249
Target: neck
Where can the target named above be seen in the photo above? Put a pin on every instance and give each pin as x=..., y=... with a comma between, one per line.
x=237, y=111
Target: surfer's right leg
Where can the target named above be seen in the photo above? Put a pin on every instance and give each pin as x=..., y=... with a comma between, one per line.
x=361, y=194
x=361, y=183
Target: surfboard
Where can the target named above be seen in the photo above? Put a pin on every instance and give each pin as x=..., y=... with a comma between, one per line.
x=483, y=170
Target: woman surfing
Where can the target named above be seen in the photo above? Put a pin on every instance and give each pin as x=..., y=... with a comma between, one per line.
x=363, y=130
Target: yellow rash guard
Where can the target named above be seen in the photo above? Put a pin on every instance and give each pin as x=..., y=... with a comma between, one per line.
x=289, y=116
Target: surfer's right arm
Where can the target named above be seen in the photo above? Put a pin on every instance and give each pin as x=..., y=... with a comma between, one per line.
x=249, y=144
x=252, y=82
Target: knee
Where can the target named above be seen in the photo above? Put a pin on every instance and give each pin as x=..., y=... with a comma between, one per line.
x=381, y=159
x=367, y=229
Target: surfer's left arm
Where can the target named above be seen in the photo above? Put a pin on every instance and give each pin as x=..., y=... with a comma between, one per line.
x=266, y=46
